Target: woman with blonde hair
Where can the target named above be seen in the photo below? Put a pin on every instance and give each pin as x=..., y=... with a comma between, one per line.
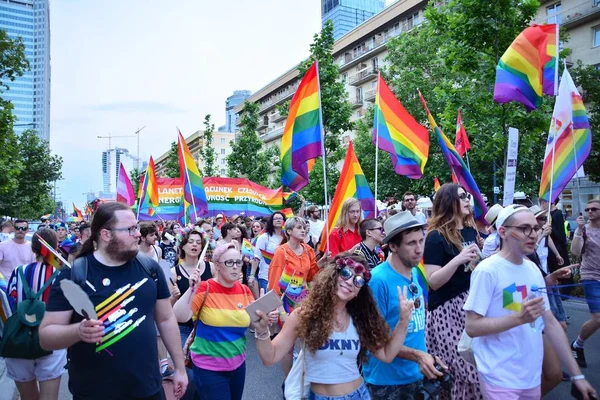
x=346, y=234
x=338, y=323
x=451, y=250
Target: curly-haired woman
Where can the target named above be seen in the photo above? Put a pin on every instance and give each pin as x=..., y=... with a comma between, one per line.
x=338, y=323
x=450, y=247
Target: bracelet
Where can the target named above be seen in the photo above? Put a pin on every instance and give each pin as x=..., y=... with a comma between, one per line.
x=263, y=336
x=577, y=378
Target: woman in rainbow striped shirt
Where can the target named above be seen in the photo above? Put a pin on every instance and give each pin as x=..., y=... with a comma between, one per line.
x=218, y=307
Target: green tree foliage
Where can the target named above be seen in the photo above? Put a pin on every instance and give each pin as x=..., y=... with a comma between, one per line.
x=587, y=77
x=207, y=153
x=39, y=169
x=247, y=159
x=173, y=170
x=134, y=176
x=12, y=59
x=10, y=164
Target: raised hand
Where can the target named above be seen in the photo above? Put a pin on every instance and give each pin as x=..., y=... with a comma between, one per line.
x=406, y=306
x=531, y=309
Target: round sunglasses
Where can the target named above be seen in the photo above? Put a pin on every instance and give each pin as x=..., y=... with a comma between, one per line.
x=346, y=273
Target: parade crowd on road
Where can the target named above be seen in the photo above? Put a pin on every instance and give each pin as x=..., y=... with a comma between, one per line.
x=412, y=304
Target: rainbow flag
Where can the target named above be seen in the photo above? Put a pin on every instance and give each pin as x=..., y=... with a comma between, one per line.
x=436, y=184
x=88, y=209
x=151, y=212
x=399, y=134
x=193, y=188
x=529, y=67
x=149, y=197
x=268, y=257
x=293, y=287
x=46, y=216
x=302, y=139
x=247, y=248
x=422, y=279
x=51, y=256
x=77, y=212
x=457, y=166
x=125, y=188
x=289, y=196
x=352, y=183
x=570, y=138
x=287, y=212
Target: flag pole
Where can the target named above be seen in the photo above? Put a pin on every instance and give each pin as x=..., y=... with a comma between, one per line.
x=324, y=159
x=377, y=141
x=574, y=152
x=553, y=123
x=143, y=193
x=187, y=175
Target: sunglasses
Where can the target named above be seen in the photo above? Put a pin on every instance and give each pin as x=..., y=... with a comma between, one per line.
x=464, y=196
x=591, y=209
x=346, y=273
x=380, y=229
x=414, y=289
x=21, y=228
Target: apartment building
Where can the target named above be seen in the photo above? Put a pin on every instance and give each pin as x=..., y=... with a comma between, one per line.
x=221, y=144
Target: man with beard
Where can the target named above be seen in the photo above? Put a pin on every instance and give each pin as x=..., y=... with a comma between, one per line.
x=409, y=202
x=147, y=246
x=130, y=298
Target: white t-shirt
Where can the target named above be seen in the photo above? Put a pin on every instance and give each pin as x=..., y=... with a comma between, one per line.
x=511, y=359
x=268, y=243
x=490, y=245
x=421, y=217
x=316, y=228
x=542, y=252
x=14, y=254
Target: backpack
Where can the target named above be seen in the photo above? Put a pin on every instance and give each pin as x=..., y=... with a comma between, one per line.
x=20, y=337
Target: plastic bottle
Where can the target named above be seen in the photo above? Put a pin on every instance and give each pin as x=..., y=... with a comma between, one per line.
x=533, y=293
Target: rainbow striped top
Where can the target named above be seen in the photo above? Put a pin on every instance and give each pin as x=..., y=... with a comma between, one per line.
x=220, y=342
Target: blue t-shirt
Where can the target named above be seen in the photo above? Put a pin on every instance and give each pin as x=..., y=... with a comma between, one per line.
x=383, y=285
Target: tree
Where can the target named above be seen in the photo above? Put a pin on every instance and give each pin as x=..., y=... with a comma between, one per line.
x=207, y=153
x=39, y=170
x=247, y=160
x=135, y=176
x=12, y=59
x=173, y=170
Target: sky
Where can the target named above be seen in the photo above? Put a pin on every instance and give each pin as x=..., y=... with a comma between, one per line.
x=121, y=65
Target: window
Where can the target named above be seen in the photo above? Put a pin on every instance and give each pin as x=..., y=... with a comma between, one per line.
x=596, y=3
x=553, y=13
x=222, y=161
x=596, y=36
x=222, y=171
x=223, y=151
x=222, y=140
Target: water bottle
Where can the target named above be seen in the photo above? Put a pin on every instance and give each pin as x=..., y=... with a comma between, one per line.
x=533, y=293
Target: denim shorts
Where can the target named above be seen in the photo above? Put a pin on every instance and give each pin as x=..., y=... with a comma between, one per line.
x=263, y=284
x=592, y=295
x=359, y=394
x=556, y=305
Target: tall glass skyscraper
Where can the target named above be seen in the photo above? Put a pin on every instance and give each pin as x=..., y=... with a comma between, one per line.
x=348, y=14
x=30, y=93
x=232, y=101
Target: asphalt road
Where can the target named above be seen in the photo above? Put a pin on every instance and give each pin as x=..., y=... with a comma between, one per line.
x=265, y=383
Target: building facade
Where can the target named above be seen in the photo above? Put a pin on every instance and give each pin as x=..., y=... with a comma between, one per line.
x=348, y=14
x=30, y=93
x=237, y=98
x=221, y=143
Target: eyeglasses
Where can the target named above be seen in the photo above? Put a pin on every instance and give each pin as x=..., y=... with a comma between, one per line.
x=527, y=230
x=380, y=229
x=346, y=273
x=591, y=209
x=465, y=196
x=414, y=289
x=132, y=229
x=232, y=263
x=21, y=228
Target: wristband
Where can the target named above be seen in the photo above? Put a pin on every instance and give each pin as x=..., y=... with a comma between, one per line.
x=577, y=378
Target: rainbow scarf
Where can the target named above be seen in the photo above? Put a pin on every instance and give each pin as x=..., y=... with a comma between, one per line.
x=268, y=257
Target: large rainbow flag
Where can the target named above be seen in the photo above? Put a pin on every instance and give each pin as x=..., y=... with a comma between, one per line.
x=570, y=138
x=302, y=139
x=399, y=134
x=149, y=193
x=457, y=166
x=352, y=183
x=193, y=188
x=529, y=68
x=125, y=188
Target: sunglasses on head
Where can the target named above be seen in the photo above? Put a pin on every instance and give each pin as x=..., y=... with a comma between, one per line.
x=591, y=209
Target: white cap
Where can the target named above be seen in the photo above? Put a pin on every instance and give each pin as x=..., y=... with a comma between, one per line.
x=219, y=216
x=507, y=212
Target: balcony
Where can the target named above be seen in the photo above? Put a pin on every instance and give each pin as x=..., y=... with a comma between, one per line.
x=574, y=15
x=370, y=95
x=357, y=102
x=262, y=124
x=279, y=97
x=272, y=135
x=277, y=117
x=363, y=76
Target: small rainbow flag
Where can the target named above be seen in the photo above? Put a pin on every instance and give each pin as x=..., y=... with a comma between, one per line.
x=77, y=212
x=287, y=212
x=88, y=209
x=248, y=249
x=51, y=256
x=193, y=188
x=289, y=196
x=436, y=184
x=529, y=68
x=151, y=212
x=352, y=183
x=268, y=257
x=399, y=134
x=422, y=278
x=302, y=139
x=149, y=197
x=46, y=216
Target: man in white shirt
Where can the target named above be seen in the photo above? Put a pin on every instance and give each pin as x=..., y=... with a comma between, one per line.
x=16, y=251
x=315, y=223
x=492, y=242
x=505, y=317
x=409, y=202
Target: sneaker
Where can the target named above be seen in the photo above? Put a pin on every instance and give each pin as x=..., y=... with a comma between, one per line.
x=579, y=356
x=168, y=373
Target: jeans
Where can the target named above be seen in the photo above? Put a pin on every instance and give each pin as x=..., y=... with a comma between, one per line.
x=556, y=305
x=408, y=391
x=190, y=393
x=220, y=385
x=263, y=283
x=359, y=394
x=592, y=295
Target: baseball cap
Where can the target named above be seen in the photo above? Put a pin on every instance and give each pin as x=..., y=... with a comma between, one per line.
x=219, y=216
x=507, y=212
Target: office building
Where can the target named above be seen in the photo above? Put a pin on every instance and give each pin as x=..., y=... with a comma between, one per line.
x=221, y=144
x=30, y=93
x=238, y=97
x=348, y=14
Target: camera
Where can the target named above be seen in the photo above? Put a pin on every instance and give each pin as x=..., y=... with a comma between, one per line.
x=431, y=387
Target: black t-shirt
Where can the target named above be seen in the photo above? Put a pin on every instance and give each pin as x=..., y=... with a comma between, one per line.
x=125, y=365
x=440, y=252
x=168, y=253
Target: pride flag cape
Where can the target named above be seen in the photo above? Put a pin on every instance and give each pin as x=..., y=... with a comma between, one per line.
x=352, y=183
x=457, y=166
x=149, y=196
x=193, y=188
x=569, y=140
x=125, y=188
x=303, y=133
x=529, y=68
x=398, y=133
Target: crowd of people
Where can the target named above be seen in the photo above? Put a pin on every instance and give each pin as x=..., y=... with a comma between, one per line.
x=356, y=317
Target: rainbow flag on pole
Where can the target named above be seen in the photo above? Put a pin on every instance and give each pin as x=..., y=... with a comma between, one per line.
x=457, y=166
x=352, y=183
x=302, y=139
x=529, y=67
x=51, y=256
x=77, y=211
x=422, y=279
x=149, y=196
x=125, y=188
x=569, y=140
x=193, y=188
x=398, y=133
